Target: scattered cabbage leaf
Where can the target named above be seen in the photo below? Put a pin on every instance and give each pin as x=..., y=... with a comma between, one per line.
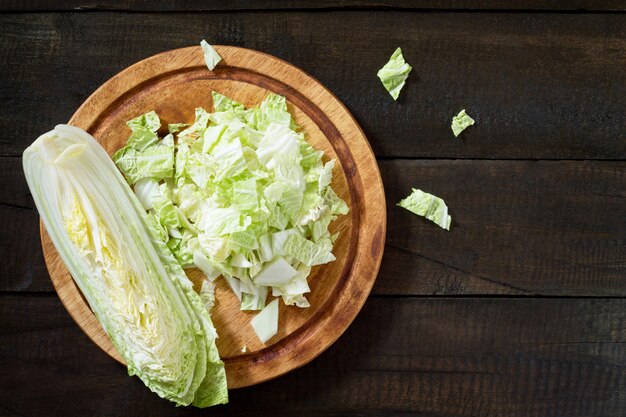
x=460, y=122
x=394, y=74
x=429, y=206
x=211, y=57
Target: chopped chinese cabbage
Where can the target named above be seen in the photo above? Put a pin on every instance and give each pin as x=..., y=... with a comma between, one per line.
x=241, y=195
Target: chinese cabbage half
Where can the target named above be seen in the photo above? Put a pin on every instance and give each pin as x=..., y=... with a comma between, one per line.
x=132, y=282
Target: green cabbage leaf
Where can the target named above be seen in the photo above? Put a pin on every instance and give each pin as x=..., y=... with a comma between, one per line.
x=429, y=206
x=394, y=74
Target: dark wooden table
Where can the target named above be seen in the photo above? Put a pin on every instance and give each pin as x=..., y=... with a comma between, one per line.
x=519, y=310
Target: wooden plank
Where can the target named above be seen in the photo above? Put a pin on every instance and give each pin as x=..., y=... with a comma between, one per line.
x=22, y=267
x=548, y=86
x=523, y=228
x=444, y=357
x=549, y=228
x=13, y=189
x=233, y=5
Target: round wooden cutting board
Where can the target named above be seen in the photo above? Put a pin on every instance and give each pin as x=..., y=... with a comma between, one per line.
x=173, y=84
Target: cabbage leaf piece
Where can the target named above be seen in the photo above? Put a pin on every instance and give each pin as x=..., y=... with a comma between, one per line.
x=394, y=74
x=211, y=57
x=265, y=324
x=460, y=122
x=429, y=206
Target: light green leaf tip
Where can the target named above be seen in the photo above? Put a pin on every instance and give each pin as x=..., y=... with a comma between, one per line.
x=429, y=206
x=394, y=74
x=460, y=122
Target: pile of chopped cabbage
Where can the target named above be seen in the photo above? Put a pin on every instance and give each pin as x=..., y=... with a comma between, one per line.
x=240, y=194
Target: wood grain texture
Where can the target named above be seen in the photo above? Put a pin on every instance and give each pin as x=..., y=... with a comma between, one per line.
x=525, y=228
x=519, y=228
x=369, y=5
x=548, y=86
x=23, y=267
x=541, y=86
x=174, y=84
x=426, y=357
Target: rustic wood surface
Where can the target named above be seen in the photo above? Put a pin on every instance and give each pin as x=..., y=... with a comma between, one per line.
x=541, y=86
x=519, y=310
x=237, y=5
x=401, y=356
